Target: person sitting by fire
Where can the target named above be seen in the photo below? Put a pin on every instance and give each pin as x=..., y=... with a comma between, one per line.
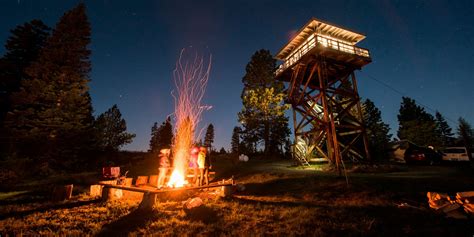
x=163, y=167
x=193, y=164
x=204, y=164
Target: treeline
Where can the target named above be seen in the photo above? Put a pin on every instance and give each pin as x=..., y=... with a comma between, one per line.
x=162, y=137
x=422, y=128
x=264, y=126
x=46, y=110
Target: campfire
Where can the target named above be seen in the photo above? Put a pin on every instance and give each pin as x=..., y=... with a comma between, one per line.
x=190, y=78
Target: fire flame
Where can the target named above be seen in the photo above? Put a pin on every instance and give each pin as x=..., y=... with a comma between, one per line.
x=177, y=179
x=190, y=79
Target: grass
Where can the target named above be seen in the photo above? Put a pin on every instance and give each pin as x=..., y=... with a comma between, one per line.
x=278, y=199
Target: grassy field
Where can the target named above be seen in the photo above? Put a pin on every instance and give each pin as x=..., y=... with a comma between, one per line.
x=278, y=200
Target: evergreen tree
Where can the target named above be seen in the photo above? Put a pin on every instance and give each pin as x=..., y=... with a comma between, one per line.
x=162, y=136
x=443, y=130
x=52, y=112
x=416, y=125
x=263, y=106
x=222, y=151
x=209, y=137
x=154, y=138
x=22, y=48
x=465, y=135
x=377, y=131
x=235, y=140
x=279, y=135
x=111, y=130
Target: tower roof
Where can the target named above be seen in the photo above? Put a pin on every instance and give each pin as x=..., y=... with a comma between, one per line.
x=321, y=27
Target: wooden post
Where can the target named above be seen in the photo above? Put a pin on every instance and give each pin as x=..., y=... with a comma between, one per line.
x=62, y=192
x=110, y=194
x=148, y=201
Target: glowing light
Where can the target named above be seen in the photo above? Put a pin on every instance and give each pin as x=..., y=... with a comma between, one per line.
x=177, y=179
x=190, y=79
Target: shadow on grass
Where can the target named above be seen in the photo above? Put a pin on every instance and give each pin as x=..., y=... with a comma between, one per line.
x=129, y=223
x=202, y=213
x=273, y=203
x=68, y=205
x=141, y=218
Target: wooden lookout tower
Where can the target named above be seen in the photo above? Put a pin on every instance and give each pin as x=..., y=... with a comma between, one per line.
x=318, y=66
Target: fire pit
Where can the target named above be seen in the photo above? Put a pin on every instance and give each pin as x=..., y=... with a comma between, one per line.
x=150, y=194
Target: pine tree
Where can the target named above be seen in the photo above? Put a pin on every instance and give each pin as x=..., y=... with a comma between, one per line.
x=111, y=130
x=279, y=134
x=22, y=48
x=162, y=136
x=377, y=131
x=443, y=130
x=53, y=111
x=263, y=103
x=416, y=125
x=209, y=137
x=235, y=140
x=222, y=151
x=465, y=135
x=154, y=138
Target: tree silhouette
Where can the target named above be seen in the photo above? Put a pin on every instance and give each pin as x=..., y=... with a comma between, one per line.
x=52, y=111
x=443, y=130
x=209, y=137
x=416, y=125
x=377, y=131
x=162, y=136
x=111, y=130
x=235, y=140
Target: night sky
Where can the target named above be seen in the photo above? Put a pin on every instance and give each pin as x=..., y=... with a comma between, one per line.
x=421, y=49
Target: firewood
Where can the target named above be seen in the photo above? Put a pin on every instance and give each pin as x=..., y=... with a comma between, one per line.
x=451, y=207
x=469, y=208
x=460, y=195
x=456, y=214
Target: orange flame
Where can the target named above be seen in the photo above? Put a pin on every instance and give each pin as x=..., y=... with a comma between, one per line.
x=190, y=78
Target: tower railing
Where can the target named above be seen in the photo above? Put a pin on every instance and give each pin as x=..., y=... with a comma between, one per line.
x=326, y=42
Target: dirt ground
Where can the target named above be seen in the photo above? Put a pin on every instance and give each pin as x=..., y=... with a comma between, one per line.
x=278, y=199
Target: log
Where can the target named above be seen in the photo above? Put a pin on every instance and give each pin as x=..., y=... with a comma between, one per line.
x=451, y=208
x=226, y=191
x=153, y=181
x=110, y=194
x=128, y=182
x=141, y=180
x=95, y=190
x=112, y=182
x=62, y=192
x=469, y=208
x=436, y=196
x=462, y=195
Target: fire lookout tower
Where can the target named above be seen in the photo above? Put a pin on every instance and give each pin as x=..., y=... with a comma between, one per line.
x=318, y=66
